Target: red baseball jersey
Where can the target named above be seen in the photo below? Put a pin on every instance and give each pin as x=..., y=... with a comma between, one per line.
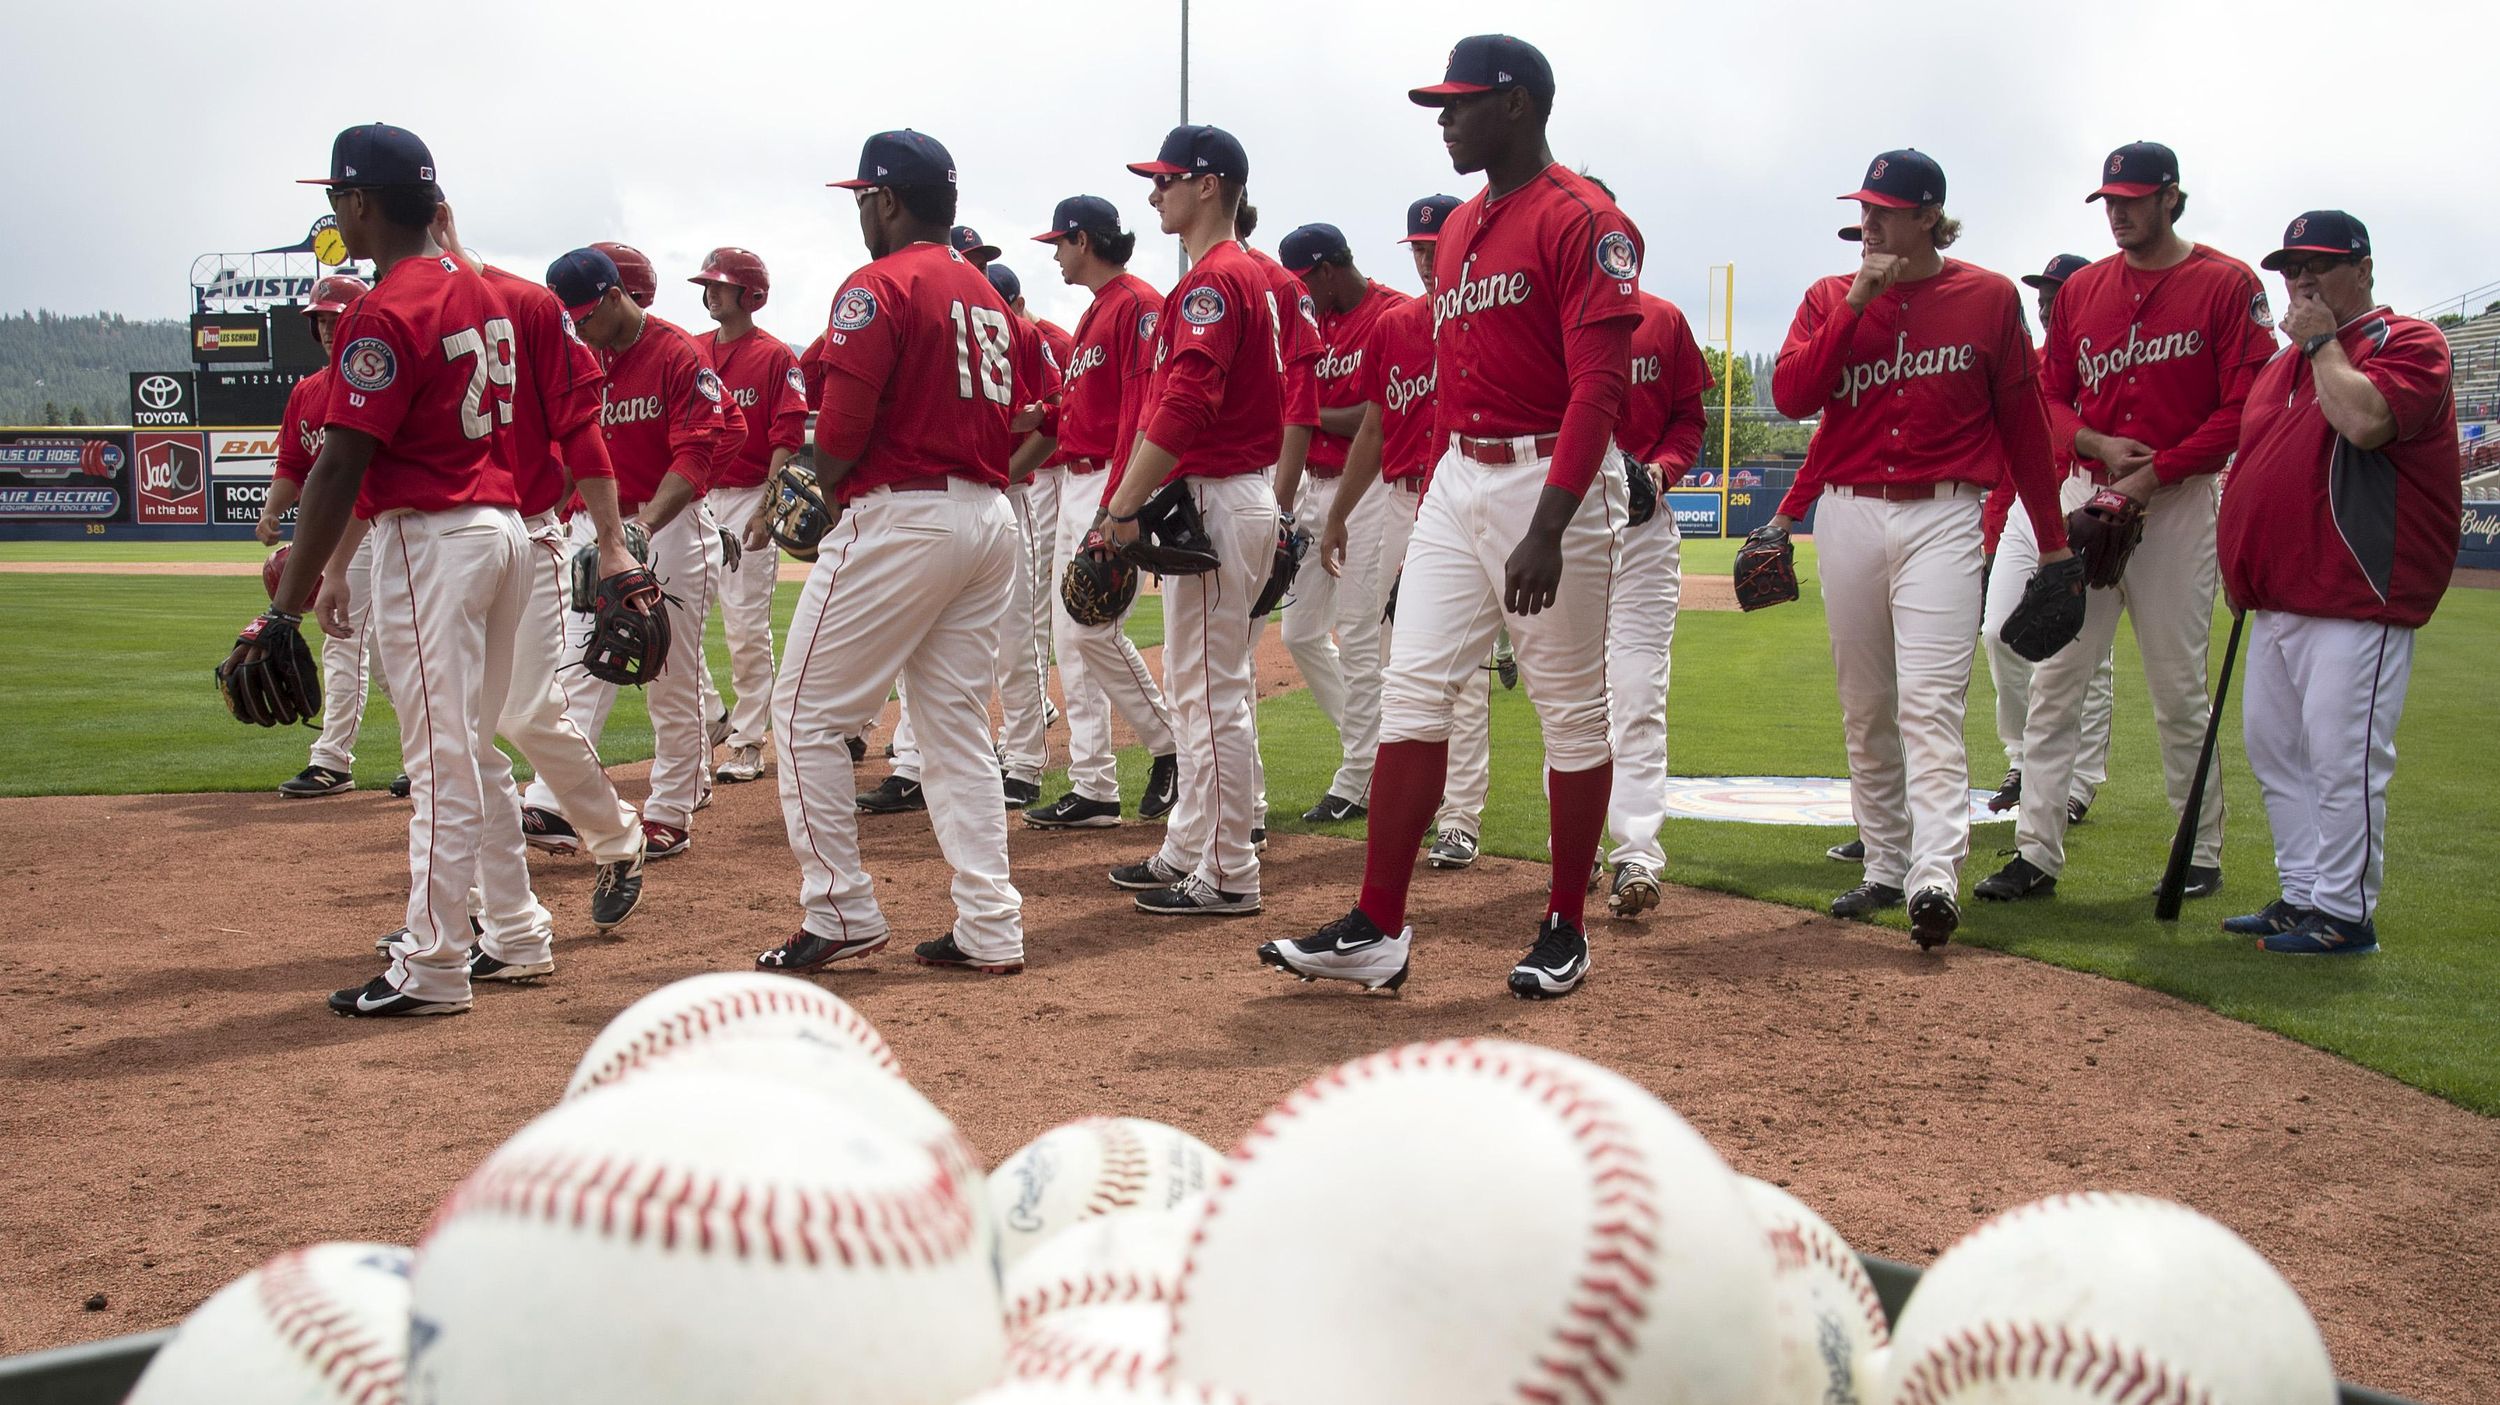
x=1058, y=348
x=1346, y=339
x=1298, y=335
x=925, y=368
x=2313, y=526
x=1934, y=382
x=2163, y=357
x=1108, y=362
x=763, y=381
x=557, y=393
x=1536, y=292
x=1056, y=340
x=426, y=365
x=1218, y=396
x=1398, y=377
x=299, y=434
x=666, y=412
x=1662, y=410
x=812, y=372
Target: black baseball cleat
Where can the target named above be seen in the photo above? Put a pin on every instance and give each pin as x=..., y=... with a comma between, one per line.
x=391, y=938
x=1020, y=794
x=805, y=951
x=1163, y=789
x=1452, y=848
x=1146, y=877
x=944, y=952
x=377, y=999
x=2009, y=792
x=315, y=781
x=1333, y=809
x=1352, y=948
x=616, y=893
x=1852, y=852
x=401, y=786
x=2017, y=880
x=1866, y=899
x=2203, y=881
x=1556, y=965
x=1933, y=918
x=2076, y=809
x=1258, y=839
x=1074, y=811
x=548, y=831
x=483, y=967
x=893, y=796
x=1196, y=897
x=2276, y=916
x=858, y=749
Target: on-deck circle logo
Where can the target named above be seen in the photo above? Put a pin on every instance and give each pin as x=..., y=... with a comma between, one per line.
x=160, y=392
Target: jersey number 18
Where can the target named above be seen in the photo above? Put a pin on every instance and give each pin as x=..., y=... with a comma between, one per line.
x=988, y=327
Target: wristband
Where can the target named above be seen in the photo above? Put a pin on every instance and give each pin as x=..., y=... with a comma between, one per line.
x=1109, y=516
x=2317, y=343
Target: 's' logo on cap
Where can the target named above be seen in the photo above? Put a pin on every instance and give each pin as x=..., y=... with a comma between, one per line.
x=2300, y=226
x=2114, y=163
x=1877, y=173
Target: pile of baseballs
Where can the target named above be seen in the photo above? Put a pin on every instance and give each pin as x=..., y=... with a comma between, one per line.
x=741, y=1198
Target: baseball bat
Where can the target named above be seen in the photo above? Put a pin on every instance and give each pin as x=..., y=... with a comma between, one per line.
x=2167, y=898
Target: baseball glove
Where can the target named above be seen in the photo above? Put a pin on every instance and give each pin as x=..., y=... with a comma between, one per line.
x=2050, y=614
x=1766, y=568
x=732, y=550
x=2104, y=532
x=795, y=511
x=629, y=629
x=1643, y=490
x=1292, y=544
x=1172, y=538
x=585, y=565
x=1098, y=586
x=282, y=684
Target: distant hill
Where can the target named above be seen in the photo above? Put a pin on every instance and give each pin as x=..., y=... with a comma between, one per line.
x=79, y=366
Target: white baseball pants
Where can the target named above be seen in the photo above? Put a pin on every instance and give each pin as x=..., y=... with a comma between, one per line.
x=1901, y=597
x=450, y=590
x=1208, y=673
x=2319, y=713
x=1333, y=630
x=1649, y=581
x=1100, y=671
x=2018, y=556
x=1045, y=550
x=2168, y=592
x=1470, y=774
x=344, y=669
x=910, y=584
x=746, y=616
x=1021, y=659
x=535, y=719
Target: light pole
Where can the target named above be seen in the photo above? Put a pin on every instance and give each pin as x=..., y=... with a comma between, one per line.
x=1180, y=247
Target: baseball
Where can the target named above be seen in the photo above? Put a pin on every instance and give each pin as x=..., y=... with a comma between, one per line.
x=2085, y=1299
x=1830, y=1321
x=313, y=1326
x=1094, y=1302
x=1029, y=1392
x=717, y=1007
x=646, y=1243
x=1498, y=1219
x=1095, y=1167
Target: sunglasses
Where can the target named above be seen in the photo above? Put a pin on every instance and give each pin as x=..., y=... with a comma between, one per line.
x=1168, y=179
x=2316, y=267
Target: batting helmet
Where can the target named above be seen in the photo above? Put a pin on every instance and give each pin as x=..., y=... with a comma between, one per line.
x=741, y=269
x=633, y=272
x=334, y=293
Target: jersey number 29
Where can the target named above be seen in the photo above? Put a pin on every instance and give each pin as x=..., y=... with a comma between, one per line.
x=492, y=346
x=988, y=327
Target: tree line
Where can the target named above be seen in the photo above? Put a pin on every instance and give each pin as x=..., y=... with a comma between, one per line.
x=69, y=369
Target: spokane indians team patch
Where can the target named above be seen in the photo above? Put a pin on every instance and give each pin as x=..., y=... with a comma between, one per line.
x=855, y=309
x=1616, y=258
x=1203, y=307
x=368, y=365
x=709, y=383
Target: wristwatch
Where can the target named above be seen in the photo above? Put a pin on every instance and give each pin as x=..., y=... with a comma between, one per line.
x=2312, y=346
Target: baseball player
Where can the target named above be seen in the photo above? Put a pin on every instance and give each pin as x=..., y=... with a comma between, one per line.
x=1924, y=377
x=1108, y=366
x=2154, y=349
x=967, y=241
x=1535, y=298
x=1397, y=446
x=669, y=427
x=763, y=381
x=1212, y=420
x=1346, y=684
x=2338, y=531
x=344, y=661
x=1039, y=473
x=423, y=375
x=1298, y=338
x=1660, y=436
x=2013, y=550
x=930, y=383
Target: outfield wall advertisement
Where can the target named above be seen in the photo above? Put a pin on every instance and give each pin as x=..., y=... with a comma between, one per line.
x=64, y=475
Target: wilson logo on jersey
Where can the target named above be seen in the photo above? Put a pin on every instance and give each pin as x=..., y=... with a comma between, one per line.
x=633, y=410
x=1859, y=377
x=1616, y=258
x=1204, y=307
x=1335, y=367
x=854, y=310
x=709, y=383
x=1479, y=294
x=368, y=365
x=2095, y=368
x=1404, y=391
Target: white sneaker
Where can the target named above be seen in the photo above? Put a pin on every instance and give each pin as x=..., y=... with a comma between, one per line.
x=1636, y=890
x=1351, y=948
x=745, y=763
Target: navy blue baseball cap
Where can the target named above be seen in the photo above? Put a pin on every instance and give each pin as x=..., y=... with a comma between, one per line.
x=904, y=158
x=2061, y=268
x=1190, y=150
x=1091, y=213
x=2139, y=168
x=1486, y=63
x=1901, y=180
x=1004, y=279
x=966, y=241
x=377, y=155
x=580, y=279
x=1312, y=245
x=1425, y=217
x=2320, y=232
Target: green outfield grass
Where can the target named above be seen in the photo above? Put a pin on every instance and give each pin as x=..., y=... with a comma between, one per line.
x=132, y=549
x=108, y=691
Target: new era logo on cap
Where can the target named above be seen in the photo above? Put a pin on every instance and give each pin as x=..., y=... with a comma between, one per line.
x=377, y=155
x=901, y=158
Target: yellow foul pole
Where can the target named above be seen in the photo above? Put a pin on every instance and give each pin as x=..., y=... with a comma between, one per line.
x=1727, y=385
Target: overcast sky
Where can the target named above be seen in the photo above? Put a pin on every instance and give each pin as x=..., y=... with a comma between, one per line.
x=141, y=135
